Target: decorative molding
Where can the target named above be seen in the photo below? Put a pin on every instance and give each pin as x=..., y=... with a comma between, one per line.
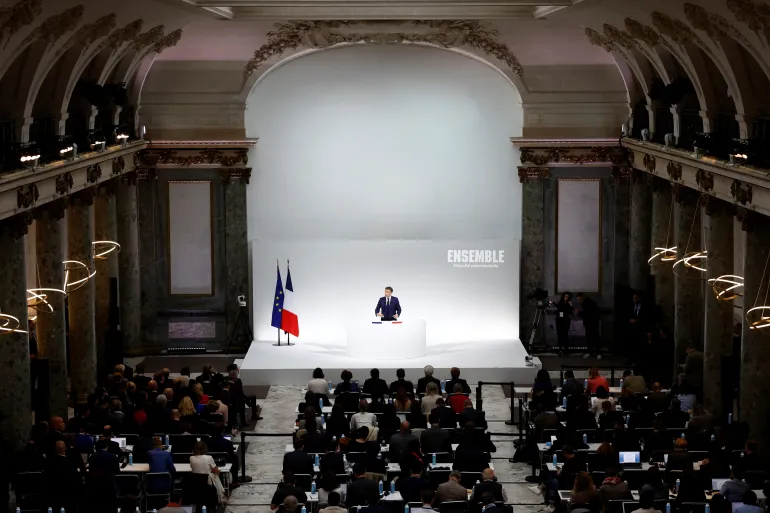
x=64, y=183
x=84, y=197
x=235, y=173
x=55, y=26
x=619, y=37
x=18, y=225
x=621, y=172
x=676, y=30
x=649, y=163
x=704, y=179
x=572, y=156
x=55, y=209
x=599, y=40
x=118, y=165
x=149, y=38
x=123, y=35
x=674, y=170
x=19, y=15
x=753, y=13
x=642, y=32
x=26, y=195
x=93, y=173
x=745, y=217
x=741, y=193
x=715, y=25
x=324, y=34
x=212, y=156
x=146, y=173
x=89, y=33
x=533, y=173
x=169, y=40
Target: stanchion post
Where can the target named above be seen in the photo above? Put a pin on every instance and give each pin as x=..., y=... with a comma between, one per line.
x=244, y=478
x=612, y=376
x=561, y=374
x=513, y=405
x=479, y=400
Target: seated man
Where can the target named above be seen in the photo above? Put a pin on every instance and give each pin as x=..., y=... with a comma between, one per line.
x=450, y=384
x=426, y=497
x=423, y=382
x=287, y=488
x=446, y=416
x=411, y=488
x=470, y=414
x=375, y=386
x=489, y=485
x=452, y=490
x=401, y=382
x=362, y=491
x=298, y=461
x=613, y=488
x=218, y=443
x=435, y=439
x=399, y=441
x=334, y=504
x=749, y=504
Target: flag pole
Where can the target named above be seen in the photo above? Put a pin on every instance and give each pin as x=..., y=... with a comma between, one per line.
x=277, y=268
x=288, y=335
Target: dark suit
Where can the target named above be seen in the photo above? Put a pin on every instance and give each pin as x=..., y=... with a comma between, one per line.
x=657, y=402
x=450, y=386
x=435, y=439
x=411, y=488
x=362, y=492
x=470, y=460
x=402, y=383
x=334, y=462
x=376, y=387
x=285, y=490
x=679, y=460
x=64, y=483
x=423, y=382
x=493, y=487
x=447, y=418
x=388, y=308
x=298, y=462
x=473, y=415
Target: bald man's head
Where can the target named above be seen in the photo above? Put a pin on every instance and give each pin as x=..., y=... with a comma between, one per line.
x=56, y=423
x=488, y=474
x=405, y=426
x=60, y=448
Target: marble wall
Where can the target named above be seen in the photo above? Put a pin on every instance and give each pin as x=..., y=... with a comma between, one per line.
x=236, y=251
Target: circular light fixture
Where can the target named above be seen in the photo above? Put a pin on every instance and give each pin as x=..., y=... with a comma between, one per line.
x=692, y=265
x=9, y=324
x=76, y=274
x=727, y=287
x=662, y=255
x=758, y=317
x=37, y=299
x=104, y=248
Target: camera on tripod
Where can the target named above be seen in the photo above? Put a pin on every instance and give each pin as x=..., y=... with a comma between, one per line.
x=539, y=295
x=242, y=300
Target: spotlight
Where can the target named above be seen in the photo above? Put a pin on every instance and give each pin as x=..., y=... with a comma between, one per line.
x=703, y=144
x=121, y=136
x=745, y=151
x=67, y=149
x=30, y=157
x=97, y=141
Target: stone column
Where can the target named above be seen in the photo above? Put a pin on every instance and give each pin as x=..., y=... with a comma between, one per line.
x=128, y=262
x=15, y=399
x=718, y=228
x=532, y=246
x=52, y=326
x=105, y=228
x=148, y=260
x=663, y=236
x=755, y=349
x=622, y=204
x=236, y=243
x=81, y=301
x=688, y=300
x=639, y=231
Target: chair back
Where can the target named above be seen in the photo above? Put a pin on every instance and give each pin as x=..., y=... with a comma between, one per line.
x=181, y=457
x=158, y=483
x=453, y=507
x=127, y=485
x=615, y=506
x=304, y=481
x=29, y=483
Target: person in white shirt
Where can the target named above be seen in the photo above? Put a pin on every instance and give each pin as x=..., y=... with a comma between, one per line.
x=334, y=504
x=318, y=384
x=364, y=418
x=602, y=394
x=427, y=501
x=203, y=463
x=646, y=502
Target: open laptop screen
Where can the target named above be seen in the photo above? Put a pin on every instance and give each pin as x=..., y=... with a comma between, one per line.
x=121, y=442
x=630, y=457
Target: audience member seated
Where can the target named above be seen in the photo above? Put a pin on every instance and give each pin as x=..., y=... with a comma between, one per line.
x=434, y=439
x=364, y=418
x=337, y=423
x=647, y=502
x=735, y=488
x=429, y=401
x=290, y=505
x=690, y=488
x=160, y=461
x=489, y=485
x=570, y=385
x=332, y=460
x=219, y=444
x=287, y=488
x=607, y=455
x=362, y=491
x=450, y=384
x=187, y=411
x=625, y=439
x=174, y=502
x=581, y=418
x=658, y=401
x=411, y=487
x=609, y=416
x=701, y=420
x=102, y=469
x=64, y=480
x=597, y=403
x=143, y=444
x=447, y=418
x=474, y=439
x=452, y=490
x=422, y=383
x=596, y=380
x=328, y=483
x=346, y=385
x=675, y=417
x=542, y=385
x=633, y=382
x=401, y=382
x=470, y=414
x=388, y=422
x=413, y=457
x=333, y=504
x=402, y=402
x=658, y=440
x=400, y=441
x=297, y=461
x=679, y=459
x=309, y=400
x=318, y=384
x=613, y=488
x=654, y=484
x=571, y=466
x=310, y=431
x=426, y=498
x=375, y=386
x=584, y=492
x=362, y=441
x=749, y=504
x=201, y=463
x=415, y=416
x=457, y=398
x=545, y=419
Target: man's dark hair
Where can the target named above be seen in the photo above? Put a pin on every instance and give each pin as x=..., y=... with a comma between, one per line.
x=567, y=449
x=298, y=444
x=288, y=478
x=346, y=375
x=400, y=373
x=359, y=469
x=389, y=288
x=440, y=401
x=569, y=374
x=626, y=372
x=232, y=367
x=185, y=371
x=647, y=498
x=139, y=369
x=487, y=498
x=176, y=497
x=333, y=499
x=375, y=373
x=318, y=373
x=427, y=496
x=433, y=417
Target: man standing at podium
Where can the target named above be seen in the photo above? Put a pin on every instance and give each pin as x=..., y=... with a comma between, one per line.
x=388, y=307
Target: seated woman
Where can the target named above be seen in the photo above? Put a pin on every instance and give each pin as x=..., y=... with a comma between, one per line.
x=337, y=424
x=403, y=402
x=187, y=411
x=318, y=384
x=364, y=418
x=361, y=442
x=308, y=401
x=607, y=454
x=346, y=385
x=456, y=399
x=415, y=417
x=596, y=380
x=429, y=401
x=584, y=491
x=602, y=394
x=202, y=463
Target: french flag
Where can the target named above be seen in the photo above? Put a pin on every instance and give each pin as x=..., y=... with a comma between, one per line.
x=289, y=319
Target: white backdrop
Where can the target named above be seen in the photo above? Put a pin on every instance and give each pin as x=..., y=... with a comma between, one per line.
x=372, y=162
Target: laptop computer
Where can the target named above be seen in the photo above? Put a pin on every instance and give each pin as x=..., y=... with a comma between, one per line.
x=121, y=442
x=716, y=484
x=553, y=439
x=630, y=459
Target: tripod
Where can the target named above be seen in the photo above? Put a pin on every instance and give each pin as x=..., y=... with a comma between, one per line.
x=241, y=331
x=539, y=315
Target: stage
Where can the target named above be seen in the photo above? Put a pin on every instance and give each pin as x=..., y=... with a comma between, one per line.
x=502, y=360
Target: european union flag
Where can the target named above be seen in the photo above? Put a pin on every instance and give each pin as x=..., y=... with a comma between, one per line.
x=277, y=301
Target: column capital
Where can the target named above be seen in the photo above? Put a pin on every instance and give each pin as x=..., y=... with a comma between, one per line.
x=621, y=172
x=741, y=192
x=235, y=173
x=649, y=163
x=55, y=210
x=146, y=173
x=64, y=183
x=84, y=197
x=17, y=226
x=118, y=165
x=527, y=173
x=26, y=196
x=745, y=217
x=704, y=179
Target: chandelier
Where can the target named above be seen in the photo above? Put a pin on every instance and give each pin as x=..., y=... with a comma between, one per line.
x=727, y=287
x=9, y=324
x=76, y=274
x=692, y=265
x=37, y=298
x=666, y=253
x=758, y=316
x=104, y=248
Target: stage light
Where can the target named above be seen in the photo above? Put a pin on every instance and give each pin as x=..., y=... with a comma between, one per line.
x=67, y=150
x=97, y=141
x=30, y=157
x=121, y=136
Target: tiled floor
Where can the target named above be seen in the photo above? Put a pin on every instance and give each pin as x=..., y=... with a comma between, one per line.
x=264, y=455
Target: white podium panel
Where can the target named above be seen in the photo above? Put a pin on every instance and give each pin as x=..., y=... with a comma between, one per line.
x=387, y=340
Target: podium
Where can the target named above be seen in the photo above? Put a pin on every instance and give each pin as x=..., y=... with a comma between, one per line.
x=386, y=340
